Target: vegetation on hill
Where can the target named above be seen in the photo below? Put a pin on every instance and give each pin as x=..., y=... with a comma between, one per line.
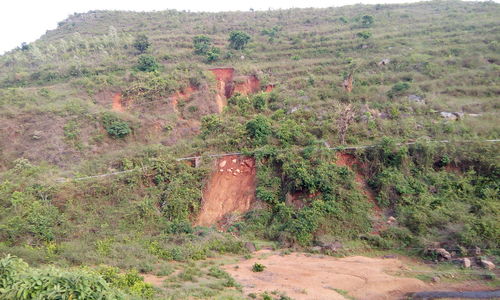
x=356, y=75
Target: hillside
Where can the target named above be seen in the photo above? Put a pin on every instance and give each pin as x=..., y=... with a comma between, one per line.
x=372, y=127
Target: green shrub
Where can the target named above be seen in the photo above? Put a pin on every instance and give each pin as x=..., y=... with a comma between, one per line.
x=258, y=129
x=115, y=127
x=258, y=267
x=398, y=89
x=364, y=35
x=147, y=63
x=202, y=44
x=141, y=43
x=19, y=281
x=238, y=40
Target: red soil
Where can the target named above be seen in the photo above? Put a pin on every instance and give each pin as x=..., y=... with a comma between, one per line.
x=224, y=77
x=269, y=88
x=182, y=95
x=250, y=85
x=117, y=103
x=230, y=189
x=350, y=161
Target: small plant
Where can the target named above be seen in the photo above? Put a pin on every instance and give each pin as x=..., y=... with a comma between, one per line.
x=364, y=35
x=115, y=127
x=258, y=267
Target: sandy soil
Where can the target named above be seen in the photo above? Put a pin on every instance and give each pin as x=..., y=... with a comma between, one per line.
x=316, y=277
x=231, y=188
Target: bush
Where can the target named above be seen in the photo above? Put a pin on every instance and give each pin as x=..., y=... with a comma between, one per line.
x=398, y=89
x=147, y=63
x=115, y=127
x=259, y=129
x=364, y=35
x=141, y=43
x=238, y=40
x=202, y=44
x=258, y=267
x=19, y=281
x=367, y=21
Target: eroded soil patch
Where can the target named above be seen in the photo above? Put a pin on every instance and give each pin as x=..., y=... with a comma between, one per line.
x=230, y=189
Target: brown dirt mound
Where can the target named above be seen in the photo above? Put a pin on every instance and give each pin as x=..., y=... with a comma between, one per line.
x=247, y=85
x=303, y=276
x=230, y=189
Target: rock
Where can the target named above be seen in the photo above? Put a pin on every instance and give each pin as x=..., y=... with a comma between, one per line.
x=234, y=161
x=416, y=99
x=463, y=262
x=441, y=253
x=221, y=170
x=476, y=251
x=222, y=164
x=436, y=279
x=466, y=263
x=238, y=170
x=392, y=256
x=250, y=246
x=384, y=62
x=37, y=135
x=334, y=247
x=448, y=115
x=487, y=264
x=391, y=219
x=459, y=115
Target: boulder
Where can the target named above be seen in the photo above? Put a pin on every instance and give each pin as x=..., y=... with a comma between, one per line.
x=334, y=247
x=416, y=99
x=466, y=263
x=448, y=115
x=384, y=62
x=441, y=252
x=222, y=163
x=487, y=264
x=250, y=246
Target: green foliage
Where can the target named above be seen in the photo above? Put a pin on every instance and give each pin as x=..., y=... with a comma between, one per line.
x=258, y=267
x=141, y=43
x=213, y=54
x=367, y=21
x=147, y=63
x=130, y=282
x=258, y=129
x=210, y=124
x=202, y=44
x=364, y=34
x=398, y=89
x=114, y=126
x=19, y=281
x=238, y=40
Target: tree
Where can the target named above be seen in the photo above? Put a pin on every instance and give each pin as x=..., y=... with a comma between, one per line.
x=346, y=117
x=147, y=63
x=202, y=44
x=367, y=21
x=238, y=40
x=141, y=43
x=259, y=129
x=213, y=54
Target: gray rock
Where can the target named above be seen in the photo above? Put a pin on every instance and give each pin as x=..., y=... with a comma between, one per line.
x=487, y=264
x=448, y=115
x=37, y=135
x=334, y=247
x=316, y=249
x=250, y=246
x=441, y=253
x=436, y=279
x=466, y=263
x=384, y=62
x=416, y=99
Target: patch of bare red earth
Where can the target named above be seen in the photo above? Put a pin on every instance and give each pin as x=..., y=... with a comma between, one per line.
x=350, y=161
x=230, y=189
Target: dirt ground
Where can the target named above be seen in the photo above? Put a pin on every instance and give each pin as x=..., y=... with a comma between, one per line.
x=231, y=188
x=304, y=276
